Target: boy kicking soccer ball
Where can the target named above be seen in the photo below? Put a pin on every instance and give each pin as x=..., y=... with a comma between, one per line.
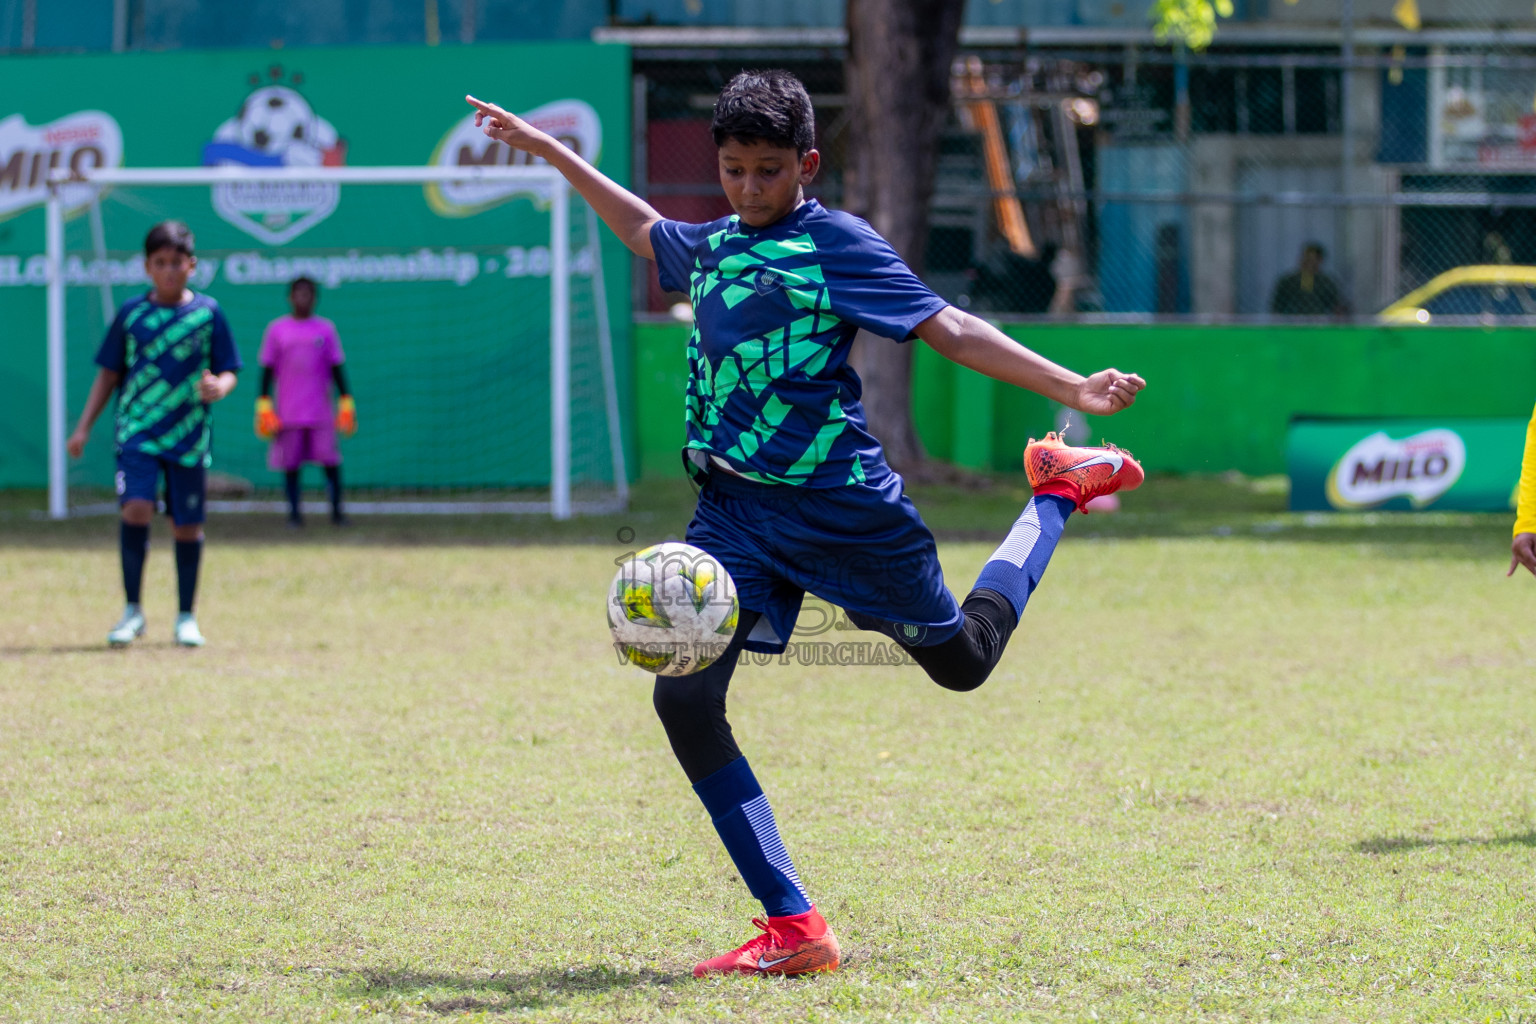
x=794, y=490
x=171, y=351
x=302, y=353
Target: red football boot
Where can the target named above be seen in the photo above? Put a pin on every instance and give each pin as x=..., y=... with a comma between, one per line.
x=1079, y=474
x=788, y=945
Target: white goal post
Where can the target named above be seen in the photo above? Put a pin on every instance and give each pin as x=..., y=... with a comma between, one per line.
x=559, y=505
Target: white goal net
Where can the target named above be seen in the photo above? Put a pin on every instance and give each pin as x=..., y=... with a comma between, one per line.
x=471, y=304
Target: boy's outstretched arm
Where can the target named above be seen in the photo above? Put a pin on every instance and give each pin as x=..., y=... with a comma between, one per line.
x=625, y=213
x=970, y=341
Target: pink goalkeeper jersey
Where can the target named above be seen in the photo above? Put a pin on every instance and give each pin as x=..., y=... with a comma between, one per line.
x=301, y=354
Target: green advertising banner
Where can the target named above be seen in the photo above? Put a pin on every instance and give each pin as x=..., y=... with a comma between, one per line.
x=1467, y=465
x=440, y=292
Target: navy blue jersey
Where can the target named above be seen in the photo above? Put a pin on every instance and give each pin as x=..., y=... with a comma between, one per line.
x=161, y=353
x=775, y=311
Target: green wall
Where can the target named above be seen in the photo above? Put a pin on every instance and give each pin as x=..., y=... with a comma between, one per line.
x=1217, y=398
x=661, y=381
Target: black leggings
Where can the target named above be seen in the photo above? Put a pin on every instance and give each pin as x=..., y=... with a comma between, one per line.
x=692, y=708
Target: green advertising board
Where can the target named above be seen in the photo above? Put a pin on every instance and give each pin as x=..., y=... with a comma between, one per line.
x=440, y=292
x=1468, y=465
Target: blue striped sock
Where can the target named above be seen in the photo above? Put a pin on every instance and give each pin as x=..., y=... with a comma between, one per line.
x=1015, y=568
x=744, y=820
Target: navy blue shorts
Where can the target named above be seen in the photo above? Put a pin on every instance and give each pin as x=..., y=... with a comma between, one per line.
x=862, y=547
x=186, y=487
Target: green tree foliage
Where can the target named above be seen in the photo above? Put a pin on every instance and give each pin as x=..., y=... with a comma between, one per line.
x=1191, y=22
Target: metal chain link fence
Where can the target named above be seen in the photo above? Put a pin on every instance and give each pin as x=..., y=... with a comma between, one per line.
x=1121, y=180
x=1323, y=158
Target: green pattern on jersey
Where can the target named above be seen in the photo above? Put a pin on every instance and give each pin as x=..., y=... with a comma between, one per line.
x=798, y=349
x=147, y=399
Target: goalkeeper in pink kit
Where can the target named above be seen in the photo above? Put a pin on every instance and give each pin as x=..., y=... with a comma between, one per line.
x=301, y=354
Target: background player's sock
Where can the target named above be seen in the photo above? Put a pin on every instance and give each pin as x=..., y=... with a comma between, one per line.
x=333, y=489
x=745, y=822
x=134, y=541
x=1015, y=568
x=189, y=553
x=291, y=486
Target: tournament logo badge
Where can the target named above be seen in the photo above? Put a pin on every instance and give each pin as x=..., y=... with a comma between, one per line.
x=573, y=122
x=79, y=143
x=1377, y=468
x=275, y=127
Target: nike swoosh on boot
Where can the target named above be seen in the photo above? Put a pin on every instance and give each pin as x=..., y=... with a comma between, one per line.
x=1103, y=459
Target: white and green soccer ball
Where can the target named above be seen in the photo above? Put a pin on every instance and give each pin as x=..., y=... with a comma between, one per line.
x=672, y=609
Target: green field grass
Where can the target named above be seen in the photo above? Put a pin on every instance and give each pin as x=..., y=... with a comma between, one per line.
x=1237, y=765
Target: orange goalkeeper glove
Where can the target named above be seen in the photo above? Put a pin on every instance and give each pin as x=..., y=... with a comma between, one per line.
x=267, y=423
x=346, y=416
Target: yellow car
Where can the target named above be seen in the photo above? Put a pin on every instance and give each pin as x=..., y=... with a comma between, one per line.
x=1489, y=293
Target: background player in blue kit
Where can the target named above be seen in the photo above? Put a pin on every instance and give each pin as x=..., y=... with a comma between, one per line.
x=171, y=352
x=796, y=495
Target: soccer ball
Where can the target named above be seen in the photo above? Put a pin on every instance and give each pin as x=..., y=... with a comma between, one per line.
x=672, y=609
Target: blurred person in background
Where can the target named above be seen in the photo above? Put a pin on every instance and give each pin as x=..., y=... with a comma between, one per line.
x=301, y=353
x=1308, y=291
x=1496, y=250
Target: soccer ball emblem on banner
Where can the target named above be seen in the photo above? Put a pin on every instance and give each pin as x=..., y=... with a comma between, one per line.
x=276, y=127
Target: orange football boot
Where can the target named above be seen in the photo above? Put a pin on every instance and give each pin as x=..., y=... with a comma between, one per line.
x=1079, y=474
x=788, y=945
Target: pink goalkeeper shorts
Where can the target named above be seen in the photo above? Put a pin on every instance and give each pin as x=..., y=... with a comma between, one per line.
x=294, y=446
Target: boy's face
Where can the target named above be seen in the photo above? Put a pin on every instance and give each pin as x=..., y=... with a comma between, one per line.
x=169, y=269
x=764, y=182
x=302, y=299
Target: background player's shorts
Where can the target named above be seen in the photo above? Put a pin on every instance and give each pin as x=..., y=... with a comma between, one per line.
x=186, y=487
x=862, y=547
x=294, y=446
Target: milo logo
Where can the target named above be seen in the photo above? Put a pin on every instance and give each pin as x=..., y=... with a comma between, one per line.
x=573, y=122
x=76, y=143
x=1377, y=468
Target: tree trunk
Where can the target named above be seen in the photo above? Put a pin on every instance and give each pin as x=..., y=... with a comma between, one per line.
x=898, y=74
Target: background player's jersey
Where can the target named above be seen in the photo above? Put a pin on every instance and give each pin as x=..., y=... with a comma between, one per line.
x=161, y=353
x=775, y=311
x=302, y=355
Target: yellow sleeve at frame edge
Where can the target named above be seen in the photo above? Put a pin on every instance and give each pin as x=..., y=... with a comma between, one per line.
x=1525, y=503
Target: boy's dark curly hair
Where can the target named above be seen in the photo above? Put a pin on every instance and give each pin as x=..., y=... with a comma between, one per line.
x=768, y=106
x=169, y=234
